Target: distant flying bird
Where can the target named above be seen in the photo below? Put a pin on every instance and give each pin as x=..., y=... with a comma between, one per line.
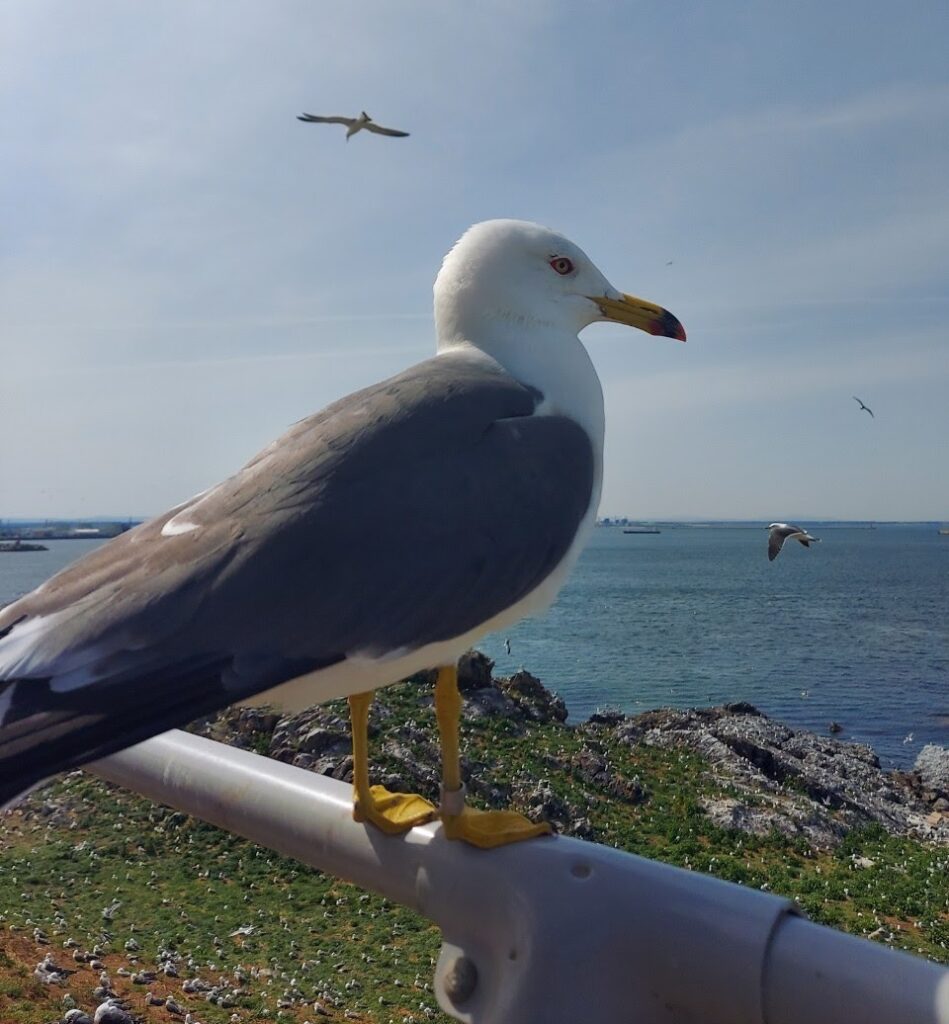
x=865, y=408
x=353, y=124
x=780, y=532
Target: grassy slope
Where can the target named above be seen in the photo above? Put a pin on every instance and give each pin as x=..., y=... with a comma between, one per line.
x=185, y=884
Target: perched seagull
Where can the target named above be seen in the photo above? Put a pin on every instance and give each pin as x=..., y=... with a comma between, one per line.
x=778, y=533
x=865, y=408
x=354, y=124
x=379, y=537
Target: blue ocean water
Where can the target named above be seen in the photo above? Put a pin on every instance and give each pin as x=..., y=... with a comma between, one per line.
x=853, y=630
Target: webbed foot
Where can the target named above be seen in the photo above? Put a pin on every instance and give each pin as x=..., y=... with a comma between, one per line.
x=393, y=813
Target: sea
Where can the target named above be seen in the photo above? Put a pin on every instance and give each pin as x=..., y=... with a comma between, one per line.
x=853, y=630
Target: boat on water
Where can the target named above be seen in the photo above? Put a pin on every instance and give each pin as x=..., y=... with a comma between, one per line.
x=944, y=533
x=640, y=529
x=21, y=545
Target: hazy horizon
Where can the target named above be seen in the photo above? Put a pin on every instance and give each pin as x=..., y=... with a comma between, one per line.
x=685, y=520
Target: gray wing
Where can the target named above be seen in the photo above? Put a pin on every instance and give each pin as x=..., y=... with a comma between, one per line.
x=778, y=535
x=379, y=130
x=316, y=119
x=407, y=513
x=864, y=407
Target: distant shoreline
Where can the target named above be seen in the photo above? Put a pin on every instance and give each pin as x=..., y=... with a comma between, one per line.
x=757, y=524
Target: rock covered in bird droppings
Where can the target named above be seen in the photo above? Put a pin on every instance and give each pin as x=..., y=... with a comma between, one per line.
x=787, y=780
x=932, y=766
x=533, y=699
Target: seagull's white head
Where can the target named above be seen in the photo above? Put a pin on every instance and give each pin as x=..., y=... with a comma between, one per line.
x=514, y=272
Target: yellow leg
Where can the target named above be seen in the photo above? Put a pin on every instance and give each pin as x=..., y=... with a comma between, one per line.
x=485, y=829
x=391, y=812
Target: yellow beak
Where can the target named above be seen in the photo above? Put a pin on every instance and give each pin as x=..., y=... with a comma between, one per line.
x=647, y=316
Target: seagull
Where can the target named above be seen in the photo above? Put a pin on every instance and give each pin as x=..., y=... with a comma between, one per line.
x=780, y=532
x=865, y=408
x=354, y=124
x=109, y=912
x=285, y=585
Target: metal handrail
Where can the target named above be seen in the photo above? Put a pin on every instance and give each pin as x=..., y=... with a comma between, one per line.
x=555, y=930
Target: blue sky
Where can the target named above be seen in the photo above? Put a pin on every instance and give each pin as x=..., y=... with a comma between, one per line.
x=186, y=269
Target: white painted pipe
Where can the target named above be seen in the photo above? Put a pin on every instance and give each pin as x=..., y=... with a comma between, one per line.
x=822, y=976
x=555, y=930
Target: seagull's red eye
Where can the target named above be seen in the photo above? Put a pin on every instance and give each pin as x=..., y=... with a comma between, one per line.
x=562, y=265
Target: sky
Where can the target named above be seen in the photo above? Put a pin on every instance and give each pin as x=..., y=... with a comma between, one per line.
x=186, y=269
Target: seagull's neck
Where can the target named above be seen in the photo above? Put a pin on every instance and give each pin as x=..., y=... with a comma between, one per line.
x=549, y=359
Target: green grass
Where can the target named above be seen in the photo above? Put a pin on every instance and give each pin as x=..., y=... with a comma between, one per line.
x=188, y=885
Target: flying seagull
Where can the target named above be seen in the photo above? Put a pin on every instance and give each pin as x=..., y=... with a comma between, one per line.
x=379, y=537
x=780, y=532
x=865, y=408
x=354, y=124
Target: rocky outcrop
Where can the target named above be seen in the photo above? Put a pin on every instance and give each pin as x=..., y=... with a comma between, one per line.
x=776, y=779
x=790, y=781
x=932, y=767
